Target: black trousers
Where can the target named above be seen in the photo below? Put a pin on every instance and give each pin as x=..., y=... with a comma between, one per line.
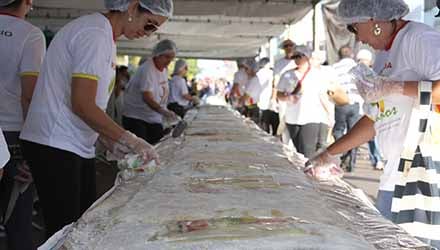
x=65, y=182
x=305, y=138
x=323, y=135
x=270, y=121
x=19, y=225
x=252, y=112
x=176, y=108
x=150, y=132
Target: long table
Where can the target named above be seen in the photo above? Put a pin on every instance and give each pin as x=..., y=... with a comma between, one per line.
x=226, y=184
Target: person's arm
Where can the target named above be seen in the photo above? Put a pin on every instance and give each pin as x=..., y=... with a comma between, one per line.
x=84, y=106
x=149, y=100
x=410, y=88
x=362, y=132
x=27, y=89
x=187, y=97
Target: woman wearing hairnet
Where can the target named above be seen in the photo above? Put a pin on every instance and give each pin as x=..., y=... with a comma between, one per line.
x=408, y=55
x=146, y=99
x=179, y=95
x=252, y=91
x=67, y=112
x=22, y=49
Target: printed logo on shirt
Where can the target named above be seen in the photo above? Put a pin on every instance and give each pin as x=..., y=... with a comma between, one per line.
x=6, y=33
x=383, y=112
x=386, y=69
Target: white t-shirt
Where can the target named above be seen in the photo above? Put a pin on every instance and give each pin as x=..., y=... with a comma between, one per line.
x=413, y=57
x=84, y=48
x=241, y=78
x=4, y=152
x=391, y=118
x=309, y=108
x=345, y=80
x=22, y=48
x=283, y=65
x=146, y=78
x=265, y=75
x=253, y=90
x=178, y=88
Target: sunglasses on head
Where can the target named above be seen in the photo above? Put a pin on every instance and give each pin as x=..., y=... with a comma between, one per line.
x=352, y=29
x=151, y=27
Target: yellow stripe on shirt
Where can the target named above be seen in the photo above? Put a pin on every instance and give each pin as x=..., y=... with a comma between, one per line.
x=29, y=73
x=85, y=76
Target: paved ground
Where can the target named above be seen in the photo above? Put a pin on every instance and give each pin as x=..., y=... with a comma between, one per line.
x=363, y=177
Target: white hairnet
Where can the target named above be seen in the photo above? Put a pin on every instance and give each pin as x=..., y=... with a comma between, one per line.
x=252, y=65
x=304, y=50
x=358, y=11
x=180, y=64
x=364, y=54
x=241, y=62
x=164, y=47
x=157, y=7
x=6, y=2
x=263, y=62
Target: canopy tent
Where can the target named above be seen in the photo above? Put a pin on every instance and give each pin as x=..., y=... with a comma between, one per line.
x=201, y=28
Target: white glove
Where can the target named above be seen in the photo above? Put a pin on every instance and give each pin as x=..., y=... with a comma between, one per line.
x=324, y=167
x=137, y=146
x=168, y=114
x=130, y=144
x=373, y=87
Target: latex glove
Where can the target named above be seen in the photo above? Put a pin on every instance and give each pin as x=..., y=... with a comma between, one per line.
x=136, y=145
x=373, y=87
x=129, y=144
x=168, y=114
x=324, y=167
x=24, y=174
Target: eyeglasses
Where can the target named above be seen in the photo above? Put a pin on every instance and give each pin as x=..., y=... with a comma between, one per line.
x=352, y=29
x=288, y=45
x=150, y=27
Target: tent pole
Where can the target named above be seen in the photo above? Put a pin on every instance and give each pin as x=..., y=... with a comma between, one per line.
x=314, y=23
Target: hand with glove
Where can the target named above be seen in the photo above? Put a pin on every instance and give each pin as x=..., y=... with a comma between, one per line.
x=324, y=167
x=168, y=114
x=129, y=143
x=373, y=87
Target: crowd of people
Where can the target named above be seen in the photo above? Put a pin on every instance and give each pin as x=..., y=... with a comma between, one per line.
x=391, y=103
x=56, y=105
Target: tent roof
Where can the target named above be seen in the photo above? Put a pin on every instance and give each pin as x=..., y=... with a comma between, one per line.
x=200, y=28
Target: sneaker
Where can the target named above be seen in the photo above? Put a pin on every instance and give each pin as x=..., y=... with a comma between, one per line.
x=379, y=165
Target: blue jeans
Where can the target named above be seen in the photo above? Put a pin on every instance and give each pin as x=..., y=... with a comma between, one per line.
x=383, y=203
x=346, y=116
x=373, y=152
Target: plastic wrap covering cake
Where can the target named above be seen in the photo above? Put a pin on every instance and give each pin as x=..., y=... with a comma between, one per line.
x=225, y=184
